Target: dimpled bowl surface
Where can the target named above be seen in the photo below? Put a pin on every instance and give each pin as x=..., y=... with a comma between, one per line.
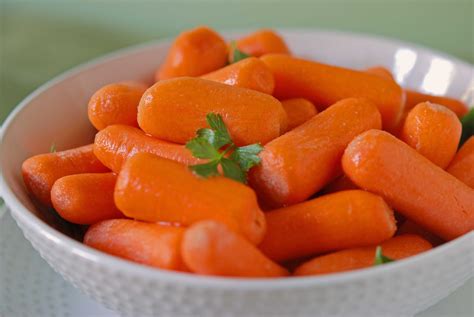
x=56, y=112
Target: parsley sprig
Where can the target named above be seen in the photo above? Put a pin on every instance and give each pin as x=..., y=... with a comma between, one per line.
x=216, y=145
x=467, y=126
x=380, y=258
x=52, y=148
x=237, y=55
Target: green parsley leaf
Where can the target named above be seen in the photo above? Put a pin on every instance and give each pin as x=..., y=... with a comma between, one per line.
x=206, y=169
x=237, y=55
x=380, y=258
x=232, y=170
x=467, y=126
x=247, y=156
x=52, y=148
x=201, y=148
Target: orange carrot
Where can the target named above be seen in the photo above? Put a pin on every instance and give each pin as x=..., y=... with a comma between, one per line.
x=174, y=109
x=151, y=188
x=352, y=259
x=249, y=73
x=324, y=85
x=299, y=163
x=342, y=220
x=380, y=71
x=85, y=198
x=298, y=111
x=194, y=53
x=410, y=183
x=462, y=166
x=339, y=184
x=413, y=98
x=409, y=227
x=434, y=131
x=150, y=244
x=210, y=248
x=41, y=171
x=115, y=104
x=262, y=42
x=116, y=143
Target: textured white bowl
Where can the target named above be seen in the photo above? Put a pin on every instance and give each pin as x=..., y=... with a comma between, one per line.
x=56, y=112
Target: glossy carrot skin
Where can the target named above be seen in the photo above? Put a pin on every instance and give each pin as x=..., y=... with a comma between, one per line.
x=249, y=73
x=150, y=244
x=380, y=71
x=434, y=131
x=414, y=97
x=85, y=198
x=115, y=104
x=462, y=166
x=396, y=248
x=210, y=248
x=298, y=111
x=173, y=110
x=116, y=143
x=262, y=42
x=194, y=53
x=342, y=220
x=302, y=161
x=410, y=183
x=325, y=84
x=151, y=188
x=41, y=171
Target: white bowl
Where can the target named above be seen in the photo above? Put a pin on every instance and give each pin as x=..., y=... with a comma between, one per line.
x=56, y=112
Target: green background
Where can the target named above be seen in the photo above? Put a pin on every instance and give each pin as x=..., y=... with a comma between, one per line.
x=41, y=39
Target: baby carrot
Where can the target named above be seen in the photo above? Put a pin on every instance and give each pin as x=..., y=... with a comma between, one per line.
x=151, y=188
x=41, y=171
x=410, y=183
x=325, y=84
x=173, y=110
x=85, y=198
x=395, y=248
x=434, y=131
x=116, y=143
x=194, y=53
x=249, y=73
x=380, y=71
x=462, y=166
x=342, y=220
x=409, y=227
x=413, y=98
x=150, y=244
x=262, y=42
x=299, y=163
x=115, y=104
x=298, y=111
x=210, y=248
x=339, y=184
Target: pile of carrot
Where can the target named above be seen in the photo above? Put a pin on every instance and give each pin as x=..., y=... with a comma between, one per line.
x=244, y=160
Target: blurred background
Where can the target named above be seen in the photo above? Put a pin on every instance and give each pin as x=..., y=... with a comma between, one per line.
x=40, y=39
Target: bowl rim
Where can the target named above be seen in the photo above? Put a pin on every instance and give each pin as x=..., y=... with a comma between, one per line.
x=64, y=242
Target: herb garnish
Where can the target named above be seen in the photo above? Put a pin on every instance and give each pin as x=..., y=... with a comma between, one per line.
x=237, y=55
x=380, y=258
x=467, y=126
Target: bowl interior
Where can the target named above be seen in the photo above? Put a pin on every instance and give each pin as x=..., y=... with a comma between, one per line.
x=57, y=112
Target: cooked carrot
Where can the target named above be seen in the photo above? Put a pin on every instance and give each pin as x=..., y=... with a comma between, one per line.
x=410, y=183
x=414, y=97
x=339, y=184
x=41, y=171
x=150, y=244
x=300, y=162
x=462, y=166
x=174, y=109
x=342, y=220
x=262, y=42
x=380, y=71
x=249, y=73
x=85, y=198
x=210, y=248
x=116, y=143
x=194, y=53
x=298, y=111
x=434, y=131
x=352, y=259
x=409, y=227
x=151, y=188
x=324, y=85
x=115, y=104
